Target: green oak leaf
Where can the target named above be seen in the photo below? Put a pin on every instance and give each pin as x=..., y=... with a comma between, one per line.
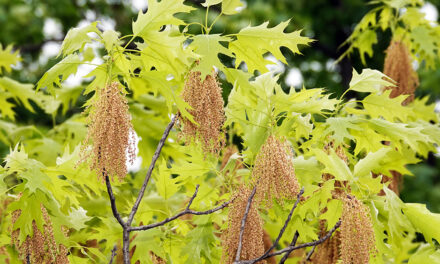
x=333, y=165
x=401, y=133
x=76, y=38
x=110, y=39
x=338, y=128
x=369, y=81
x=59, y=72
x=229, y=7
x=371, y=162
x=208, y=47
x=253, y=42
x=159, y=14
x=8, y=58
x=425, y=254
x=391, y=109
x=307, y=171
x=425, y=42
x=431, y=221
x=333, y=213
x=21, y=92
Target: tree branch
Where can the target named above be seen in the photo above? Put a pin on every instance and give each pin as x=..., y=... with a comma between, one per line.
x=283, y=229
x=309, y=255
x=243, y=223
x=126, y=226
x=291, y=248
x=113, y=202
x=150, y=169
x=295, y=238
x=113, y=254
x=184, y=212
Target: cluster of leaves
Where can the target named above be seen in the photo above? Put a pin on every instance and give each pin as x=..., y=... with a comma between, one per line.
x=42, y=165
x=407, y=24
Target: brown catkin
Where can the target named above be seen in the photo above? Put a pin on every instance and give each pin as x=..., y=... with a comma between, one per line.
x=357, y=234
x=327, y=252
x=252, y=244
x=111, y=133
x=398, y=67
x=206, y=101
x=274, y=173
x=267, y=241
x=41, y=247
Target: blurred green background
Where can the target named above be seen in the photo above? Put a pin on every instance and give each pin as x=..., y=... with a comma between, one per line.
x=37, y=28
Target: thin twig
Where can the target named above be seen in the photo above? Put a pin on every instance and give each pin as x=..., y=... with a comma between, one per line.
x=289, y=249
x=150, y=169
x=295, y=238
x=182, y=213
x=113, y=254
x=243, y=223
x=283, y=229
x=309, y=255
x=193, y=197
x=126, y=226
x=113, y=202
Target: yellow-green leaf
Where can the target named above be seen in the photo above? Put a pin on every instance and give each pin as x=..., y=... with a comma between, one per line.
x=229, y=7
x=8, y=58
x=253, y=42
x=369, y=80
x=159, y=14
x=208, y=47
x=77, y=38
x=333, y=165
x=430, y=224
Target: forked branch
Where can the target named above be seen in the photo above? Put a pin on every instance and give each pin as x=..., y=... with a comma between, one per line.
x=126, y=225
x=182, y=213
x=290, y=248
x=286, y=250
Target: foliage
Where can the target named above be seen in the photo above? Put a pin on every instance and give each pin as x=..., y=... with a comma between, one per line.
x=407, y=24
x=42, y=167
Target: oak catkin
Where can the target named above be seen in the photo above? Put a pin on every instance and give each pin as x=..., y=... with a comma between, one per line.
x=356, y=232
x=206, y=101
x=274, y=173
x=398, y=67
x=252, y=244
x=111, y=134
x=327, y=252
x=41, y=247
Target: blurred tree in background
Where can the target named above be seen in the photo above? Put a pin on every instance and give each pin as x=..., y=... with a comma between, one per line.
x=37, y=28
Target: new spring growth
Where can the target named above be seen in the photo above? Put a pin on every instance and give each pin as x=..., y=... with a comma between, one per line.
x=327, y=252
x=41, y=247
x=252, y=243
x=357, y=234
x=205, y=98
x=274, y=173
x=111, y=134
x=398, y=67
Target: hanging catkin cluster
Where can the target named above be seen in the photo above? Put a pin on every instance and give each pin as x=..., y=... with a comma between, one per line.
x=357, y=235
x=398, y=67
x=274, y=173
x=327, y=252
x=252, y=244
x=41, y=247
x=206, y=101
x=111, y=134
